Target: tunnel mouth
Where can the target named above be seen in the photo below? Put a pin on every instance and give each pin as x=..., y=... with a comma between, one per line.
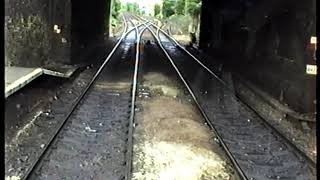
x=179, y=18
x=235, y=33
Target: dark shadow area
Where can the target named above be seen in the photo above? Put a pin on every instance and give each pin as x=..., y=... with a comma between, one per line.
x=267, y=42
x=90, y=21
x=28, y=100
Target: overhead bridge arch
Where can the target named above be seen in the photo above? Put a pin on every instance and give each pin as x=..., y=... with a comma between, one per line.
x=267, y=41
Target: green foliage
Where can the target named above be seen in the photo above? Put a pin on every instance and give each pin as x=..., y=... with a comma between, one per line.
x=157, y=10
x=116, y=7
x=180, y=24
x=180, y=7
x=193, y=7
x=168, y=8
x=128, y=7
x=133, y=7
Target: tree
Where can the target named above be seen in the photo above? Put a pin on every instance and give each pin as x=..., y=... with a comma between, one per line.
x=132, y=7
x=193, y=8
x=168, y=8
x=157, y=10
x=135, y=7
x=128, y=7
x=180, y=7
x=116, y=7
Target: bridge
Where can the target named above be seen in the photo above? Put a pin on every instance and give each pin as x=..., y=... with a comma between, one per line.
x=250, y=80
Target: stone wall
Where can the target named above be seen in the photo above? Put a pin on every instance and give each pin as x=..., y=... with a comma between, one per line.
x=29, y=37
x=61, y=42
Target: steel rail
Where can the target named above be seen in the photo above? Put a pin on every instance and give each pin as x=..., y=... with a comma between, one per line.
x=37, y=162
x=180, y=46
x=301, y=117
x=136, y=28
x=224, y=146
x=236, y=95
x=133, y=99
x=278, y=133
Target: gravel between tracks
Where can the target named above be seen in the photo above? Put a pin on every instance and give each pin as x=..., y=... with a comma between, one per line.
x=171, y=140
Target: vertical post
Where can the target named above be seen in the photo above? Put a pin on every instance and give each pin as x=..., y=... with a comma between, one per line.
x=204, y=25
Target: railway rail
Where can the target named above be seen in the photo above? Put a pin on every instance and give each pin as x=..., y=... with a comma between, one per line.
x=69, y=130
x=311, y=161
x=239, y=170
x=256, y=150
x=249, y=154
x=133, y=96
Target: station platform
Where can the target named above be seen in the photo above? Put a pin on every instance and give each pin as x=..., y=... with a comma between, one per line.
x=18, y=77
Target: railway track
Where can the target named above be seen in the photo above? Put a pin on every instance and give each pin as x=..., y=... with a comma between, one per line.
x=133, y=96
x=257, y=150
x=88, y=138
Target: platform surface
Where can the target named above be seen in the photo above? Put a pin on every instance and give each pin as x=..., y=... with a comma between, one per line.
x=64, y=71
x=18, y=77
